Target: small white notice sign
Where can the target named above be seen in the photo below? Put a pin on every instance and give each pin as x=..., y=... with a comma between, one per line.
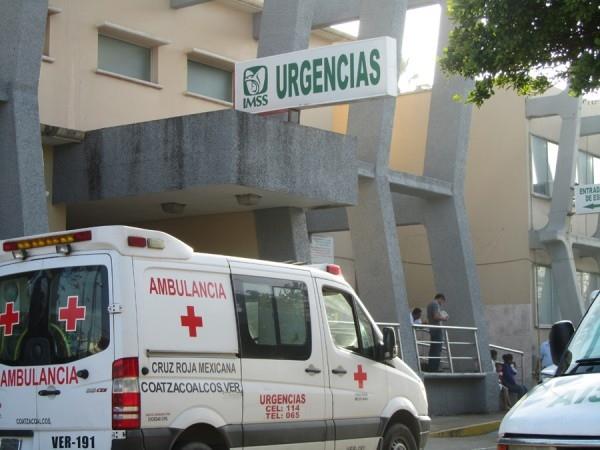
x=587, y=199
x=321, y=250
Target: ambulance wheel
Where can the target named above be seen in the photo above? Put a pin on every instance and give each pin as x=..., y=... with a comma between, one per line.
x=399, y=437
x=193, y=446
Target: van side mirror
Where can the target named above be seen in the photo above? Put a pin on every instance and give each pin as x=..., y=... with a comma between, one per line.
x=390, y=349
x=560, y=335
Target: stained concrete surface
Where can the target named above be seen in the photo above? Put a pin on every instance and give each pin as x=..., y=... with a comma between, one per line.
x=485, y=442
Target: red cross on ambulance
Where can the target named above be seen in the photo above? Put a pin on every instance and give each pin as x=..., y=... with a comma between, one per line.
x=192, y=321
x=9, y=318
x=71, y=313
x=360, y=377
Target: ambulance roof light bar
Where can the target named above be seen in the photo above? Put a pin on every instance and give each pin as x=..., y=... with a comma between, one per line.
x=61, y=242
x=143, y=243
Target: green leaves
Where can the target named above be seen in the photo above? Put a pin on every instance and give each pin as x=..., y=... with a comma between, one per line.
x=499, y=43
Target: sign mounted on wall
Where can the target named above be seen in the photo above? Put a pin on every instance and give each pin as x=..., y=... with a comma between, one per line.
x=321, y=76
x=587, y=199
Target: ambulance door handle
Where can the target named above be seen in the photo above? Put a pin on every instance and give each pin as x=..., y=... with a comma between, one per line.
x=83, y=373
x=312, y=370
x=48, y=392
x=339, y=371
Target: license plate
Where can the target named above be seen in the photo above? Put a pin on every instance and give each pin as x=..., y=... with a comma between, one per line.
x=10, y=444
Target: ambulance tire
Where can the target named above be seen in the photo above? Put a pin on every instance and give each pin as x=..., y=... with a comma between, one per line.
x=398, y=437
x=193, y=446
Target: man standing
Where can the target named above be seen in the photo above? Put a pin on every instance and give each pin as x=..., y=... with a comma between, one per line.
x=435, y=316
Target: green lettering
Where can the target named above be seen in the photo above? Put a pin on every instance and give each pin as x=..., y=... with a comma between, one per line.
x=293, y=80
x=594, y=398
x=342, y=82
x=362, y=76
x=352, y=68
x=305, y=78
x=375, y=75
x=317, y=75
x=565, y=399
x=330, y=74
x=281, y=81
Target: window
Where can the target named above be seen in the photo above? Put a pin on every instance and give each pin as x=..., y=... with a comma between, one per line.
x=349, y=325
x=273, y=317
x=587, y=282
x=544, y=155
x=588, y=168
x=209, y=81
x=128, y=54
x=46, y=50
x=53, y=316
x=124, y=58
x=547, y=305
x=209, y=76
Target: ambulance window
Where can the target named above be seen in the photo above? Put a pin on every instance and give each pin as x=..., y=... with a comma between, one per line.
x=274, y=318
x=341, y=320
x=349, y=325
x=53, y=316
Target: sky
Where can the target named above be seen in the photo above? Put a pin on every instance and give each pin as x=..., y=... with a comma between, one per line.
x=419, y=46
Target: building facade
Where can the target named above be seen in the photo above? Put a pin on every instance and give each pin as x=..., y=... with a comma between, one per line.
x=135, y=102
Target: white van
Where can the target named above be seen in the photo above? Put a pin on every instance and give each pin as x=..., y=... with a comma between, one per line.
x=564, y=411
x=123, y=338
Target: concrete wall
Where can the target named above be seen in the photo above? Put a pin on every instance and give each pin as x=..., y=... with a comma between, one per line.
x=228, y=234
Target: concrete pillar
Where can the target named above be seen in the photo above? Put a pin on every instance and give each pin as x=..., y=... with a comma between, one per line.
x=22, y=189
x=555, y=234
x=446, y=219
x=282, y=234
x=285, y=26
x=379, y=271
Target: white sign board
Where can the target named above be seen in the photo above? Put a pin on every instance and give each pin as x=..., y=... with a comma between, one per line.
x=321, y=250
x=587, y=199
x=332, y=74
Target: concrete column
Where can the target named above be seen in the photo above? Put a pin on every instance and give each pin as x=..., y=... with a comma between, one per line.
x=285, y=26
x=379, y=271
x=282, y=234
x=22, y=189
x=446, y=219
x=556, y=233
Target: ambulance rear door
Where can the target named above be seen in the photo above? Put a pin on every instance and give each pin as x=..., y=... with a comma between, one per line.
x=64, y=348
x=18, y=409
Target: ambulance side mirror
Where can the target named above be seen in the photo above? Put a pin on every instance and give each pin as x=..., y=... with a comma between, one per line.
x=389, y=349
x=559, y=338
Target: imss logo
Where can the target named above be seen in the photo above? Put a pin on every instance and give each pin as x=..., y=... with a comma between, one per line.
x=256, y=83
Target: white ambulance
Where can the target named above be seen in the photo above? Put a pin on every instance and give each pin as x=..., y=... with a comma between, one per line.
x=123, y=338
x=564, y=411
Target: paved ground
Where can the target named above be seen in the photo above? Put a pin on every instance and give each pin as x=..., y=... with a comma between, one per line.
x=485, y=442
x=439, y=423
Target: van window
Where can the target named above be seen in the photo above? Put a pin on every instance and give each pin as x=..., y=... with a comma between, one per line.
x=273, y=317
x=349, y=325
x=53, y=316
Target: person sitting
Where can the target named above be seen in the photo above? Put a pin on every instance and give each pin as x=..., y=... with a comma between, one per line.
x=508, y=376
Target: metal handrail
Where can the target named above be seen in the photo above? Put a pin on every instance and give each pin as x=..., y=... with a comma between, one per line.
x=451, y=354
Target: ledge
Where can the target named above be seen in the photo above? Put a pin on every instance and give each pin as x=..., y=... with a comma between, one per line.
x=208, y=99
x=212, y=59
x=48, y=59
x=133, y=36
x=130, y=79
x=52, y=10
